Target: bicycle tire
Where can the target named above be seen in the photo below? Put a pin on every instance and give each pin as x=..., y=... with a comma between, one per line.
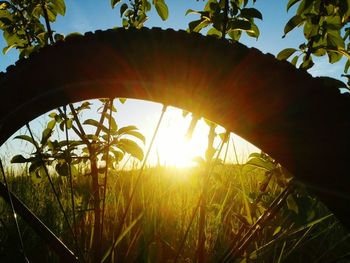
x=299, y=120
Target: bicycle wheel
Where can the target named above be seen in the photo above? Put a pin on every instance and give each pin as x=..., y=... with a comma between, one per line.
x=297, y=119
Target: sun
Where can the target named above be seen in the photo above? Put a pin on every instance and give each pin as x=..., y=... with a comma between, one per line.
x=172, y=148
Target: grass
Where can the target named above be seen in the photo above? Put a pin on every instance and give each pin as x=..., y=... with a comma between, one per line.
x=163, y=219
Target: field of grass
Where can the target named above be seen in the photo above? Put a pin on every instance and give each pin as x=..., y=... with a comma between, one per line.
x=181, y=215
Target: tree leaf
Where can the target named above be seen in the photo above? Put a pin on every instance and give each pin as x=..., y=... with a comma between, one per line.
x=8, y=48
x=239, y=25
x=286, y=53
x=307, y=63
x=254, y=31
x=251, y=13
x=162, y=9
x=118, y=155
x=292, y=23
x=347, y=65
x=334, y=56
x=46, y=134
x=291, y=3
x=295, y=60
x=18, y=159
x=204, y=23
x=123, y=8
x=95, y=123
x=305, y=7
x=252, y=155
x=334, y=39
x=191, y=11
x=130, y=147
x=292, y=204
x=59, y=6
x=26, y=138
x=126, y=129
x=192, y=25
x=137, y=135
x=260, y=163
x=114, y=3
x=214, y=32
x=62, y=168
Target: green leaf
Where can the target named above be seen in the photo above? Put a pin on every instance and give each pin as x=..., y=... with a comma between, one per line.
x=137, y=135
x=130, y=147
x=126, y=129
x=292, y=204
x=58, y=37
x=286, y=53
x=291, y=3
x=26, y=138
x=260, y=163
x=125, y=23
x=257, y=155
x=162, y=9
x=347, y=65
x=254, y=31
x=239, y=25
x=46, y=135
x=214, y=32
x=8, y=48
x=277, y=230
x=334, y=39
x=5, y=20
x=122, y=100
x=193, y=24
x=235, y=34
x=295, y=60
x=334, y=56
x=305, y=7
x=4, y=5
x=292, y=23
x=310, y=30
x=69, y=124
x=59, y=6
x=18, y=159
x=62, y=168
x=95, y=123
x=118, y=155
x=123, y=8
x=114, y=3
x=52, y=13
x=191, y=11
x=251, y=13
x=307, y=63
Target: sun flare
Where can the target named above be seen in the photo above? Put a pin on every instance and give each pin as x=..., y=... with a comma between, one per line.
x=171, y=145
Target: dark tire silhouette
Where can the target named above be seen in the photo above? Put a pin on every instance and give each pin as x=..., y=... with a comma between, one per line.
x=297, y=119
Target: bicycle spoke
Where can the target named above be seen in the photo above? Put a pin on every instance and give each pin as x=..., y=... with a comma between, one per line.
x=22, y=251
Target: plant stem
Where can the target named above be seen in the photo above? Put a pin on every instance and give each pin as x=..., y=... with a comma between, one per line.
x=107, y=163
x=225, y=21
x=47, y=21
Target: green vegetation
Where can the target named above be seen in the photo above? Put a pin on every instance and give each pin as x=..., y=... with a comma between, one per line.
x=164, y=211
